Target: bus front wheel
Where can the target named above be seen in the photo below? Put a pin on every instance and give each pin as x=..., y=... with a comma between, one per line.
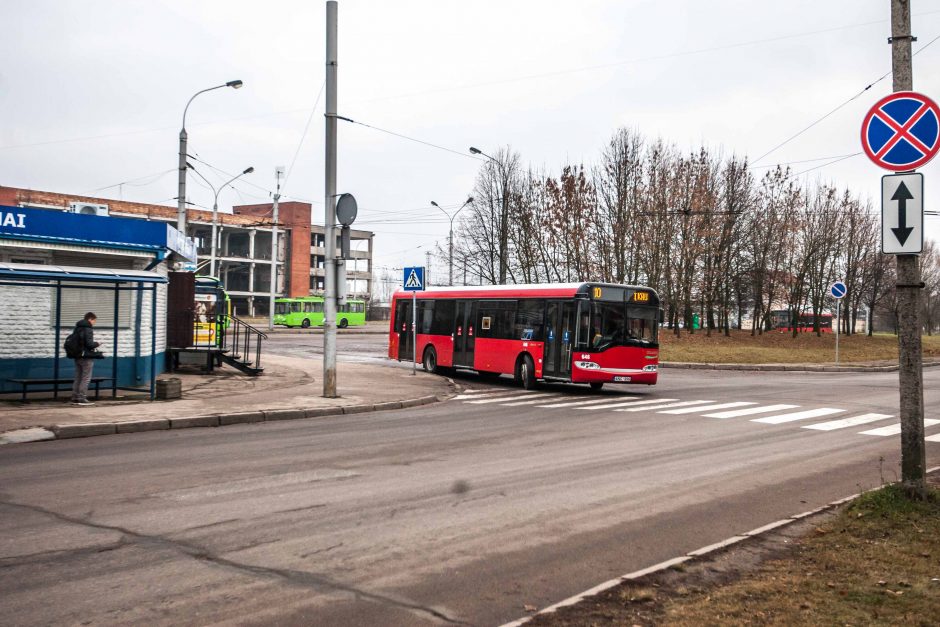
x=430, y=360
x=343, y=323
x=306, y=323
x=526, y=372
x=596, y=385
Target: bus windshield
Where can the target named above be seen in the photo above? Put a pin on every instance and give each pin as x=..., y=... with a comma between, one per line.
x=616, y=324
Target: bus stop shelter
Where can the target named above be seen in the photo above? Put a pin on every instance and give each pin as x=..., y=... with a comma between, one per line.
x=133, y=317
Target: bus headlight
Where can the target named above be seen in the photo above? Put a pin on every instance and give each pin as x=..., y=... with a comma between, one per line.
x=650, y=368
x=587, y=365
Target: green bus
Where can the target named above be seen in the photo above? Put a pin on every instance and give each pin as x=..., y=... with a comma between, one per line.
x=307, y=311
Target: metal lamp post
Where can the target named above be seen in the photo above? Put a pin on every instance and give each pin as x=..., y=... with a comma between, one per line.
x=215, y=210
x=504, y=217
x=181, y=198
x=450, y=238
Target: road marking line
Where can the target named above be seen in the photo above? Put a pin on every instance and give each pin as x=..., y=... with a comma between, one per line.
x=800, y=415
x=461, y=397
x=895, y=429
x=666, y=406
x=656, y=401
x=750, y=411
x=500, y=399
x=576, y=403
x=542, y=397
x=621, y=403
x=848, y=422
x=691, y=410
x=933, y=438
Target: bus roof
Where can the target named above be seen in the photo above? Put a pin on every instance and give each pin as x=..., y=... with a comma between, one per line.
x=535, y=290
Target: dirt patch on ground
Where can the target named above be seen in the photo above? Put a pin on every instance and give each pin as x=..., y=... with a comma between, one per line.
x=874, y=561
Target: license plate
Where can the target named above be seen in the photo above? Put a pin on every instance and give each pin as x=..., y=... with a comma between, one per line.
x=621, y=379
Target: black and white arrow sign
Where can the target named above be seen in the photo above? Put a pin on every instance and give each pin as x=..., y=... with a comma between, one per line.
x=902, y=214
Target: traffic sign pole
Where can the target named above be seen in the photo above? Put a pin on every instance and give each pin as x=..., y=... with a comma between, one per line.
x=910, y=366
x=838, y=290
x=413, y=281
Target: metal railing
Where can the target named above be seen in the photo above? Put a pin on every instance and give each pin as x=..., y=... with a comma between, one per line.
x=240, y=341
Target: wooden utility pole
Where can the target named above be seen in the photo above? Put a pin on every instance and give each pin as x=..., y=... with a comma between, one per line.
x=910, y=366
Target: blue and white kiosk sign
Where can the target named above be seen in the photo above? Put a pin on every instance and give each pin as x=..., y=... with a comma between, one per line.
x=902, y=131
x=413, y=281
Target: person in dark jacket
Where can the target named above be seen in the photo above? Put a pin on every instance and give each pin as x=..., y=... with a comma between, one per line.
x=85, y=363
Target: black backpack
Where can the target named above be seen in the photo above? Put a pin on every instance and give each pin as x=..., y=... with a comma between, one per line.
x=73, y=345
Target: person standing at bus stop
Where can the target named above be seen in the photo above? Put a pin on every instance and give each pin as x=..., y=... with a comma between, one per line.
x=80, y=346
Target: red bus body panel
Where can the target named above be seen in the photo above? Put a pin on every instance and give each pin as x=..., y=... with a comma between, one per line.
x=618, y=361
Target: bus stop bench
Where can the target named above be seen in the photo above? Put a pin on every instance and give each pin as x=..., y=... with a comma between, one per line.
x=26, y=383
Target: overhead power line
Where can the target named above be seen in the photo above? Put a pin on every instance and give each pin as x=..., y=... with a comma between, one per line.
x=856, y=96
x=412, y=139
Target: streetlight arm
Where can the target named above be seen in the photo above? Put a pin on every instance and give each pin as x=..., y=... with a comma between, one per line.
x=230, y=181
x=233, y=84
x=211, y=186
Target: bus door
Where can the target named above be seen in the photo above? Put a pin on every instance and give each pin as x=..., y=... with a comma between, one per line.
x=464, y=333
x=403, y=328
x=559, y=338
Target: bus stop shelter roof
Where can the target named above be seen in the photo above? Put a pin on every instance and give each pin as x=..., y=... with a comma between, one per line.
x=74, y=273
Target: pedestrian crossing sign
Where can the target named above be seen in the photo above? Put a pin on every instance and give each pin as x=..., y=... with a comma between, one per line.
x=414, y=279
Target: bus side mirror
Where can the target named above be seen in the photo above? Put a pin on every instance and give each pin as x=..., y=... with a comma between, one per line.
x=662, y=316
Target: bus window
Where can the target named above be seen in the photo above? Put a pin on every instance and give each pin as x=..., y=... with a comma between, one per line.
x=641, y=324
x=530, y=320
x=318, y=307
x=295, y=307
x=280, y=308
x=606, y=325
x=308, y=307
x=442, y=322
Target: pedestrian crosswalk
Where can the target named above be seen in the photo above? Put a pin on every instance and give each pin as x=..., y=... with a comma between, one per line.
x=833, y=418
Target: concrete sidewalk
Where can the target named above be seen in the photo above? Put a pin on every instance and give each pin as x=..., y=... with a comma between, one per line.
x=290, y=388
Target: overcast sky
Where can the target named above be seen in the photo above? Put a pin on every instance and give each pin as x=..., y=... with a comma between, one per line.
x=92, y=93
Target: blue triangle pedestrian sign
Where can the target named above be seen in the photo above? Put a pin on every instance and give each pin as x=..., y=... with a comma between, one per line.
x=414, y=279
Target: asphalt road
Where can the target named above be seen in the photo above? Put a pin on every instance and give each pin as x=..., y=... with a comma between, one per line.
x=464, y=511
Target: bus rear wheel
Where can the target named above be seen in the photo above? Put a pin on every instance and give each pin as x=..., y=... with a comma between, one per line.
x=525, y=372
x=343, y=323
x=596, y=385
x=306, y=323
x=430, y=360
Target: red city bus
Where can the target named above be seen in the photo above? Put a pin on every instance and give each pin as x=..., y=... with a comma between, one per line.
x=576, y=332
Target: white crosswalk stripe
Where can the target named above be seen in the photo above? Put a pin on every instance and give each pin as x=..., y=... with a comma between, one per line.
x=750, y=411
x=575, y=403
x=501, y=399
x=663, y=406
x=800, y=415
x=621, y=403
x=463, y=397
x=537, y=397
x=694, y=410
x=895, y=429
x=933, y=438
x=864, y=419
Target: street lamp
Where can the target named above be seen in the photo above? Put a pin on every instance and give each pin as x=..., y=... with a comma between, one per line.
x=504, y=216
x=181, y=199
x=215, y=209
x=450, y=238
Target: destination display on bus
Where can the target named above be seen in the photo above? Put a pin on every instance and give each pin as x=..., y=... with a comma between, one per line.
x=592, y=333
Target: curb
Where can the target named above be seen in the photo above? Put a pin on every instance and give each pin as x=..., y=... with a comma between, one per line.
x=691, y=555
x=91, y=429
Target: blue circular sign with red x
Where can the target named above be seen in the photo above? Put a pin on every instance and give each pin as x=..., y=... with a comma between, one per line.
x=902, y=131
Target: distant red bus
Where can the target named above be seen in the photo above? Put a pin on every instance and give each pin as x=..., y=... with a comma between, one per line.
x=591, y=333
x=782, y=321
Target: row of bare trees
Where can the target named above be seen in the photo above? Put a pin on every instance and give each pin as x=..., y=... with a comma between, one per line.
x=716, y=238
